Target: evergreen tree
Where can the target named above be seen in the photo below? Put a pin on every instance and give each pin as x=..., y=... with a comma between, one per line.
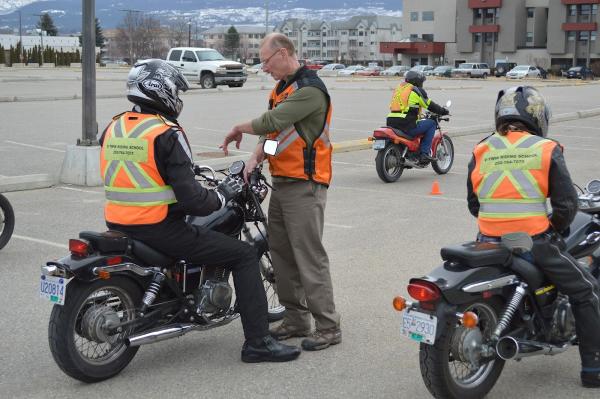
x=99, y=35
x=46, y=23
x=232, y=41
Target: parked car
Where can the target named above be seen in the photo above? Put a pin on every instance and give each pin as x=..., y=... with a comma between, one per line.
x=503, y=67
x=316, y=65
x=254, y=69
x=443, y=71
x=580, y=72
x=370, y=71
x=523, y=71
x=396, y=70
x=351, y=70
x=207, y=66
x=425, y=69
x=330, y=69
x=472, y=70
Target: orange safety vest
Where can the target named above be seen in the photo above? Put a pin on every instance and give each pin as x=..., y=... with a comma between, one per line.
x=400, y=99
x=510, y=179
x=135, y=192
x=293, y=159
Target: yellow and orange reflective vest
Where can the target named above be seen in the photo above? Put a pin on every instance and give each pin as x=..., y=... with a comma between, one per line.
x=510, y=179
x=293, y=158
x=135, y=192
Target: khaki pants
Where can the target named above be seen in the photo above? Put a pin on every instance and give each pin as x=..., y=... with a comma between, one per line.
x=300, y=262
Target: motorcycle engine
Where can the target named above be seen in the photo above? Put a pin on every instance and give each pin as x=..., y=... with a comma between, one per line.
x=213, y=296
x=563, y=322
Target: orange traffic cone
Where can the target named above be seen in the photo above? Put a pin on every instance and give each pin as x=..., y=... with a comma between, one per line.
x=435, y=188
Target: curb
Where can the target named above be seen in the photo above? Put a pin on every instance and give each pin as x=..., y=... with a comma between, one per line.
x=26, y=182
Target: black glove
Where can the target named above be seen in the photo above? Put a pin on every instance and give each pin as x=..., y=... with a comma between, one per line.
x=445, y=111
x=229, y=188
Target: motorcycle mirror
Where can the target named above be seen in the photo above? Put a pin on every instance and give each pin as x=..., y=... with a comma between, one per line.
x=448, y=103
x=270, y=146
x=236, y=168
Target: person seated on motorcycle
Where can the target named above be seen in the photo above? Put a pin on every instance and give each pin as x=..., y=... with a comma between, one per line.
x=511, y=174
x=150, y=185
x=405, y=110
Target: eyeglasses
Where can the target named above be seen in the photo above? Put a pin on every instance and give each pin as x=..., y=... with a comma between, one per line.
x=271, y=56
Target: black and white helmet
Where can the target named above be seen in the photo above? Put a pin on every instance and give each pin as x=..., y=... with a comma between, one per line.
x=523, y=104
x=156, y=84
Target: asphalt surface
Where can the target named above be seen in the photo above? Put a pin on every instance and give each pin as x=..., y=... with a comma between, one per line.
x=378, y=236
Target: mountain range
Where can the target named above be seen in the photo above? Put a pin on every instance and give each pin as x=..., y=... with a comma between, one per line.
x=66, y=14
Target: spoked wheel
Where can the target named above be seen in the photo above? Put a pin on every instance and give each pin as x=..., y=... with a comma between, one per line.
x=7, y=221
x=454, y=366
x=444, y=155
x=389, y=163
x=275, y=309
x=80, y=340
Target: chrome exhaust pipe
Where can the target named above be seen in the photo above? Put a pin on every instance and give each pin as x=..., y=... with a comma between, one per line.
x=510, y=348
x=159, y=334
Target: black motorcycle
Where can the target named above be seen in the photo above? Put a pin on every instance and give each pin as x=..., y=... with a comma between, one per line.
x=487, y=304
x=113, y=293
x=7, y=221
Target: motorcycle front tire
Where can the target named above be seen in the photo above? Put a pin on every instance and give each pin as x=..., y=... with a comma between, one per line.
x=7, y=221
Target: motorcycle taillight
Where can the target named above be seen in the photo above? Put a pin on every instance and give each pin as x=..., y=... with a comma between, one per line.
x=424, y=291
x=78, y=247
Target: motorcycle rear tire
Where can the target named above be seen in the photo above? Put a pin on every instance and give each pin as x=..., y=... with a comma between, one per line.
x=435, y=361
x=62, y=331
x=384, y=160
x=7, y=221
x=441, y=168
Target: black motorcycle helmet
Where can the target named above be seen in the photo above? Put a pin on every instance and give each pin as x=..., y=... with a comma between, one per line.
x=415, y=78
x=523, y=104
x=156, y=84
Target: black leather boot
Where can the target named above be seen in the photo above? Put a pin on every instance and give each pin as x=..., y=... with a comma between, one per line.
x=268, y=349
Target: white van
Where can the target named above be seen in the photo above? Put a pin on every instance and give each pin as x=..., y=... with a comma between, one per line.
x=207, y=66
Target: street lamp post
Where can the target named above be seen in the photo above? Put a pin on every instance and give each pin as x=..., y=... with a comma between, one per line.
x=20, y=38
x=189, y=24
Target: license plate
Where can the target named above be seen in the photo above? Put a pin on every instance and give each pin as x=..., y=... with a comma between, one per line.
x=378, y=144
x=54, y=289
x=419, y=326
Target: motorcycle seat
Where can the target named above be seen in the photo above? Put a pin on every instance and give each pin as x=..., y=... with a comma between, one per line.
x=477, y=254
x=106, y=242
x=149, y=255
x=400, y=133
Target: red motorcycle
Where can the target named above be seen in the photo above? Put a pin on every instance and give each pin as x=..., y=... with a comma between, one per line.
x=397, y=151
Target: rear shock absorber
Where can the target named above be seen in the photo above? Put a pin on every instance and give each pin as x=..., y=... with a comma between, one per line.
x=152, y=291
x=510, y=310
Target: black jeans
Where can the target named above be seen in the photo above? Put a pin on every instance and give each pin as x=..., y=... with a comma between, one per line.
x=181, y=241
x=573, y=280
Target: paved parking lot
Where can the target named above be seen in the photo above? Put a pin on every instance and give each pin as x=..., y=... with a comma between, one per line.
x=378, y=236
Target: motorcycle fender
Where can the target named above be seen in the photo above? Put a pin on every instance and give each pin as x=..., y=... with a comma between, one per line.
x=452, y=279
x=83, y=268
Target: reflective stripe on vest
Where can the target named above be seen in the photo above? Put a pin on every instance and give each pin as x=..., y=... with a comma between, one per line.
x=293, y=159
x=510, y=196
x=134, y=189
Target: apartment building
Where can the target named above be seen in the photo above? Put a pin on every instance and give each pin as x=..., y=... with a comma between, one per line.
x=548, y=33
x=356, y=40
x=250, y=37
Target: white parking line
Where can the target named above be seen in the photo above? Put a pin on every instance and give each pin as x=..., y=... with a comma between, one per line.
x=33, y=146
x=37, y=240
x=341, y=226
x=80, y=190
x=209, y=130
x=435, y=197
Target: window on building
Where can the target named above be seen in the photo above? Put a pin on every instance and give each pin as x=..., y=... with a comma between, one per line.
x=360, y=44
x=428, y=37
x=427, y=15
x=372, y=32
x=488, y=37
x=573, y=10
x=594, y=9
x=414, y=16
x=571, y=35
x=477, y=13
x=586, y=9
x=353, y=32
x=584, y=36
x=530, y=11
x=477, y=37
x=593, y=36
x=344, y=33
x=529, y=37
x=361, y=33
x=372, y=43
x=413, y=36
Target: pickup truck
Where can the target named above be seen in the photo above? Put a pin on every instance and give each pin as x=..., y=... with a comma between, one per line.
x=207, y=66
x=472, y=70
